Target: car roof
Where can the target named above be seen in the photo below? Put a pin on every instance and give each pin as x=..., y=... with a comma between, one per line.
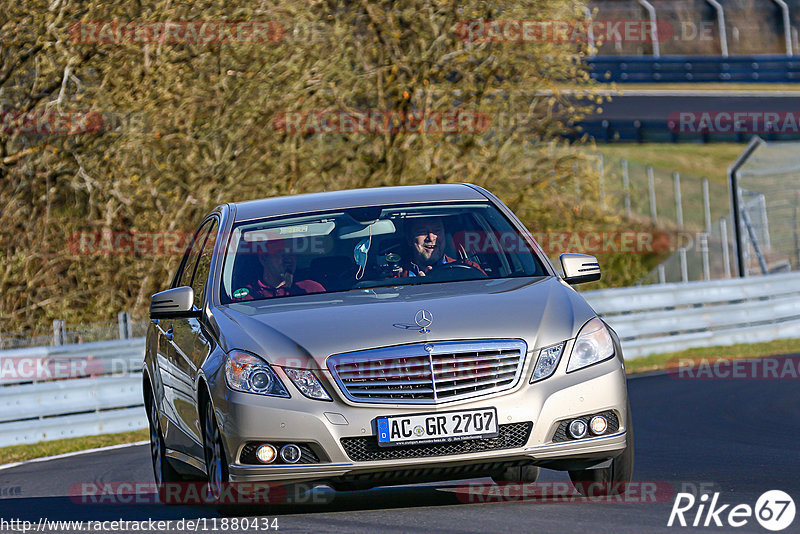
x=355, y=198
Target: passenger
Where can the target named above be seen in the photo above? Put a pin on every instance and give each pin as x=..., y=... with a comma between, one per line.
x=277, y=276
x=426, y=238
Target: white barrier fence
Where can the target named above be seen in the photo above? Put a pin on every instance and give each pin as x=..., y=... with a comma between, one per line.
x=39, y=403
x=672, y=317
x=107, y=397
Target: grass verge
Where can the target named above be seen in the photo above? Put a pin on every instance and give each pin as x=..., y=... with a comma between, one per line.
x=710, y=160
x=19, y=453
x=658, y=362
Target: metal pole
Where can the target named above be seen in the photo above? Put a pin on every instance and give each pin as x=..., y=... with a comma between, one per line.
x=726, y=260
x=124, y=320
x=706, y=206
x=754, y=240
x=787, y=27
x=704, y=252
x=723, y=37
x=59, y=332
x=651, y=11
x=626, y=186
x=762, y=205
x=678, y=204
x=684, y=268
x=735, y=196
x=662, y=275
x=652, y=183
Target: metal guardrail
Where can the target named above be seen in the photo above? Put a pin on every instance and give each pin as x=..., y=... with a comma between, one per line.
x=649, y=320
x=671, y=69
x=57, y=392
x=36, y=364
x=673, y=317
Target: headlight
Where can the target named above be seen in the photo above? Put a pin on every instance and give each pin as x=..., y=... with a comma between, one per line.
x=307, y=383
x=592, y=345
x=547, y=362
x=250, y=374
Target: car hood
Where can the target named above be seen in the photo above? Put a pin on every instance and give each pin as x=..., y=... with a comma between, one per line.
x=303, y=331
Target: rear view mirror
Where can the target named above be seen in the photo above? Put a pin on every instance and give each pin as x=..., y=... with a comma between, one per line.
x=580, y=268
x=176, y=302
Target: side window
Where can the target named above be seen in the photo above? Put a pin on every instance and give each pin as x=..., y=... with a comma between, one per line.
x=204, y=266
x=192, y=255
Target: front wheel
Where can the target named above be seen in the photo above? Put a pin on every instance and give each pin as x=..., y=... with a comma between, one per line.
x=216, y=463
x=611, y=480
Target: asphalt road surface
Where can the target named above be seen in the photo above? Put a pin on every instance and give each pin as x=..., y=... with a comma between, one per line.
x=736, y=437
x=651, y=105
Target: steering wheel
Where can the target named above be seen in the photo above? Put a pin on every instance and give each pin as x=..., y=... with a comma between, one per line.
x=453, y=266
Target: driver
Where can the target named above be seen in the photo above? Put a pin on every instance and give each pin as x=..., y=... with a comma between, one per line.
x=426, y=238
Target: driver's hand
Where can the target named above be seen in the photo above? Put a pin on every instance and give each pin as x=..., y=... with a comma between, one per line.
x=289, y=266
x=288, y=279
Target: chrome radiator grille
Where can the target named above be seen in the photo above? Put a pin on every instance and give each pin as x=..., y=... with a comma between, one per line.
x=429, y=373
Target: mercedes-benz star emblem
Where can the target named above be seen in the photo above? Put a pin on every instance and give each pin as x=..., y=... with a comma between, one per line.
x=423, y=318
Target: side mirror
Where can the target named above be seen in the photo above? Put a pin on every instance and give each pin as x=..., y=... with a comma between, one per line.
x=176, y=302
x=580, y=268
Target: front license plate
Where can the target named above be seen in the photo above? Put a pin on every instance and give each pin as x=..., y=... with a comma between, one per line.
x=439, y=427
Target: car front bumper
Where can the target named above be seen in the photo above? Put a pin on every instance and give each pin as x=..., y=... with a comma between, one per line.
x=254, y=418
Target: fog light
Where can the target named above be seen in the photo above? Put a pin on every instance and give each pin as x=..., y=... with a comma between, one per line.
x=577, y=428
x=598, y=425
x=290, y=453
x=266, y=454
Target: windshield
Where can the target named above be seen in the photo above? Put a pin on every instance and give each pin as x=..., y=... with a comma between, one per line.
x=371, y=247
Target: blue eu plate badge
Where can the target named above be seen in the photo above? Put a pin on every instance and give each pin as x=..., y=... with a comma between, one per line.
x=383, y=430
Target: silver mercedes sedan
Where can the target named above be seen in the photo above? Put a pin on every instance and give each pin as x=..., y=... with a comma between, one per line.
x=381, y=336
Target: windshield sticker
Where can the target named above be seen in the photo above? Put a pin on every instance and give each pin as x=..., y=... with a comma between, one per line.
x=241, y=292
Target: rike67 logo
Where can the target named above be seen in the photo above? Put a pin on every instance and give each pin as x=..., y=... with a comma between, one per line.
x=774, y=510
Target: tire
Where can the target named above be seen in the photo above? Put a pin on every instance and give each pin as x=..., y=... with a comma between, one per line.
x=519, y=473
x=221, y=492
x=611, y=480
x=214, y=452
x=163, y=473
